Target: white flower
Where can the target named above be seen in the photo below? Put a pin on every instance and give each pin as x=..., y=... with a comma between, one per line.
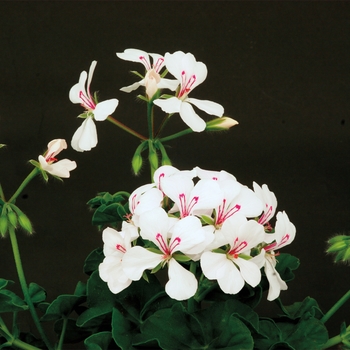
x=230, y=269
x=152, y=80
x=190, y=74
x=85, y=137
x=170, y=236
x=49, y=163
x=284, y=235
x=111, y=271
x=269, y=200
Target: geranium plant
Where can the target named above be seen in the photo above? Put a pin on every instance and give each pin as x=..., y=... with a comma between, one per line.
x=185, y=258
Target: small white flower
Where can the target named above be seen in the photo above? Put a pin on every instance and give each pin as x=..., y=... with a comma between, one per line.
x=190, y=74
x=152, y=80
x=49, y=163
x=85, y=137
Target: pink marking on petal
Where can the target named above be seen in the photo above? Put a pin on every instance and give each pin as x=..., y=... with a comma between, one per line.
x=134, y=203
x=162, y=244
x=186, y=83
x=224, y=213
x=158, y=65
x=266, y=215
x=87, y=102
x=145, y=62
x=186, y=209
x=237, y=248
x=120, y=248
x=174, y=244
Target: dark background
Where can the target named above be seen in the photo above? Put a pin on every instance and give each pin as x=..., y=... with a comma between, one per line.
x=280, y=68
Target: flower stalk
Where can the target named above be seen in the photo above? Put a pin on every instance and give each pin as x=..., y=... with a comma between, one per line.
x=24, y=286
x=335, y=307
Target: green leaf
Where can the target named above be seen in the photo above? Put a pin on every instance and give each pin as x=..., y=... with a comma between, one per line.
x=10, y=302
x=93, y=260
x=62, y=307
x=100, y=301
x=73, y=333
x=305, y=309
x=80, y=289
x=305, y=335
x=98, y=341
x=123, y=330
x=37, y=293
x=286, y=263
x=4, y=283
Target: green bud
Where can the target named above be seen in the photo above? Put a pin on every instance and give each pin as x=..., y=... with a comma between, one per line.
x=152, y=156
x=337, y=246
x=137, y=161
x=165, y=158
x=3, y=225
x=25, y=223
x=12, y=217
x=219, y=124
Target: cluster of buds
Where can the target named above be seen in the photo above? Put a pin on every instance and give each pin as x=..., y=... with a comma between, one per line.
x=203, y=217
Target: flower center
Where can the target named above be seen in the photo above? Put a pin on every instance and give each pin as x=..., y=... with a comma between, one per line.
x=224, y=213
x=185, y=208
x=87, y=102
x=163, y=245
x=238, y=247
x=186, y=84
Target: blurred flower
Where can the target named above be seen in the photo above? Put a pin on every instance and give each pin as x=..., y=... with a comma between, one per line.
x=85, y=137
x=152, y=80
x=49, y=163
x=190, y=74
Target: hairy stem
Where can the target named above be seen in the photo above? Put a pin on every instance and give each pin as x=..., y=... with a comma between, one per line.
x=126, y=128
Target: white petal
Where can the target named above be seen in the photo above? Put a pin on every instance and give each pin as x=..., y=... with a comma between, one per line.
x=105, y=108
x=74, y=92
x=284, y=230
x=249, y=271
x=232, y=282
x=85, y=137
x=134, y=55
x=275, y=280
x=62, y=168
x=169, y=105
x=54, y=147
x=182, y=283
x=170, y=84
x=91, y=73
x=213, y=265
x=133, y=87
x=191, y=118
x=209, y=107
x=138, y=259
x=111, y=271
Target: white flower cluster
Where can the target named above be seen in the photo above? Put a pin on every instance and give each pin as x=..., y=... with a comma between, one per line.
x=198, y=215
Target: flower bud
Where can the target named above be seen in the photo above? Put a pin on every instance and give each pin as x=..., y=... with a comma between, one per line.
x=223, y=123
x=152, y=156
x=25, y=223
x=12, y=217
x=136, y=163
x=3, y=225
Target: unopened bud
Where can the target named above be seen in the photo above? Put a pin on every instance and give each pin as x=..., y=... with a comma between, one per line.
x=223, y=123
x=136, y=163
x=3, y=225
x=12, y=217
x=152, y=156
x=25, y=223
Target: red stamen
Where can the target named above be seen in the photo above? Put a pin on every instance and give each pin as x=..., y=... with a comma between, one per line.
x=158, y=65
x=145, y=62
x=120, y=248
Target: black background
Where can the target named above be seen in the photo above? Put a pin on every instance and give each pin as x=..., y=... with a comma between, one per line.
x=280, y=68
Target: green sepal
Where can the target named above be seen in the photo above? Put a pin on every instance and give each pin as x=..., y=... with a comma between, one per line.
x=207, y=219
x=143, y=98
x=137, y=73
x=157, y=268
x=181, y=257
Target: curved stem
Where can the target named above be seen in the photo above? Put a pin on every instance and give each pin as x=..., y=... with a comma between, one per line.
x=335, y=340
x=126, y=128
x=335, y=307
x=63, y=332
x=176, y=135
x=25, y=182
x=24, y=286
x=164, y=122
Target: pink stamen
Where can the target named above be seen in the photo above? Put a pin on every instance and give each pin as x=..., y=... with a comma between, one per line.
x=134, y=203
x=224, y=214
x=237, y=248
x=266, y=215
x=120, y=248
x=184, y=208
x=162, y=244
x=87, y=102
x=284, y=240
x=145, y=62
x=174, y=243
x=158, y=65
x=186, y=84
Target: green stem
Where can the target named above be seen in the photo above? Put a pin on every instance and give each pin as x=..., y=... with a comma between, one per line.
x=176, y=135
x=24, y=286
x=191, y=303
x=126, y=128
x=164, y=122
x=150, y=120
x=335, y=307
x=63, y=332
x=25, y=182
x=2, y=194
x=334, y=340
